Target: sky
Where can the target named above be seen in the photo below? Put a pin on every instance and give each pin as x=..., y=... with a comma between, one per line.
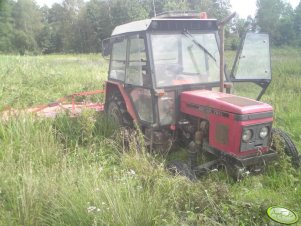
x=243, y=7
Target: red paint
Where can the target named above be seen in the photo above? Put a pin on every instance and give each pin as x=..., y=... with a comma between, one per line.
x=212, y=99
x=203, y=15
x=125, y=96
x=173, y=127
x=207, y=105
x=182, y=81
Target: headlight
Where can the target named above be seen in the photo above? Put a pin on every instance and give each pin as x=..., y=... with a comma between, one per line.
x=247, y=135
x=263, y=132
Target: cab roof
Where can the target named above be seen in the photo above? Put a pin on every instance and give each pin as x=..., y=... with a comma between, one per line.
x=166, y=24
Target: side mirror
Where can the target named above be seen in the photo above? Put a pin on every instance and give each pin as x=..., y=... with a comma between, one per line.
x=106, y=48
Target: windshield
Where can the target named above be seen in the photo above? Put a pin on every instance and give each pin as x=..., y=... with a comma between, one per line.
x=185, y=58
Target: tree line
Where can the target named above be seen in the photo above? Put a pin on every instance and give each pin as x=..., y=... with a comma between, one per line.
x=78, y=26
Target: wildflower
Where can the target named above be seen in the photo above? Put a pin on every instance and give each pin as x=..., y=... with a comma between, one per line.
x=132, y=172
x=91, y=209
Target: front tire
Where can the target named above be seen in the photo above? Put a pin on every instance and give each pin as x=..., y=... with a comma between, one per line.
x=281, y=140
x=181, y=168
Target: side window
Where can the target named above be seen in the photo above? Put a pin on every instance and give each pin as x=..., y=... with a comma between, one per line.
x=118, y=60
x=137, y=73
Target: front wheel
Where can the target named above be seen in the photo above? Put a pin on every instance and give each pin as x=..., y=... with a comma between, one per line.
x=282, y=141
x=181, y=168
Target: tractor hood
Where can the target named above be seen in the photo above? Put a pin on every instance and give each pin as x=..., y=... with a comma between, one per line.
x=205, y=100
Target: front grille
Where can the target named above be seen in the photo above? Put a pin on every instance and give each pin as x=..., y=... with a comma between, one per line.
x=256, y=141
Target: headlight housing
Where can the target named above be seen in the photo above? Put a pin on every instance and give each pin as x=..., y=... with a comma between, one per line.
x=247, y=135
x=264, y=131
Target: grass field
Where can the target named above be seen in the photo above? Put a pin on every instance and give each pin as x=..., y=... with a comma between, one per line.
x=74, y=171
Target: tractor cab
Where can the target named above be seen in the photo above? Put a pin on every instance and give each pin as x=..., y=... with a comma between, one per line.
x=167, y=75
x=155, y=60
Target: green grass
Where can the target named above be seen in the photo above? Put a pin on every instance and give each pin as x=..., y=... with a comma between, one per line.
x=74, y=171
x=26, y=81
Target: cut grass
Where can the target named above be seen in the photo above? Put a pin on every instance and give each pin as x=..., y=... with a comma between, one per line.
x=71, y=171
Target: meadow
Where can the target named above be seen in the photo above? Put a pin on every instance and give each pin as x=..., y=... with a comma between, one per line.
x=76, y=171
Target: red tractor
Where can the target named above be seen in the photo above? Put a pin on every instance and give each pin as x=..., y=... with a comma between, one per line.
x=163, y=75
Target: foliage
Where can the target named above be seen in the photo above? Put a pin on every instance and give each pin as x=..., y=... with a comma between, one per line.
x=297, y=23
x=80, y=26
x=277, y=18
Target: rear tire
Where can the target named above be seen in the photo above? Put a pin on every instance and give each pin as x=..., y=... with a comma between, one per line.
x=286, y=142
x=116, y=109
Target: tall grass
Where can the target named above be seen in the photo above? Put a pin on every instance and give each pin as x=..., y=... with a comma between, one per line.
x=48, y=181
x=285, y=91
x=36, y=79
x=74, y=171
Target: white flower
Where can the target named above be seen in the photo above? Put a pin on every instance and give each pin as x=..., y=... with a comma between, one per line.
x=132, y=172
x=91, y=209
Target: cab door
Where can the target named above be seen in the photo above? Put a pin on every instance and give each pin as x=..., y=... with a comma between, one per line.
x=138, y=81
x=253, y=64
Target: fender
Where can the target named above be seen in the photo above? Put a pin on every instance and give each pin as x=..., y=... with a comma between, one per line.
x=110, y=86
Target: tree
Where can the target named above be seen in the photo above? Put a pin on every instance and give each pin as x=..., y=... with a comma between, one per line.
x=276, y=18
x=28, y=24
x=176, y=5
x=69, y=25
x=297, y=23
x=80, y=26
x=6, y=26
x=55, y=17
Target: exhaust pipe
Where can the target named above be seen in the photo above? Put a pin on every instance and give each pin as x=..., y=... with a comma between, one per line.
x=221, y=25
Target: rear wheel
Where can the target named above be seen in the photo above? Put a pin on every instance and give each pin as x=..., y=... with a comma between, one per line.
x=282, y=141
x=116, y=109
